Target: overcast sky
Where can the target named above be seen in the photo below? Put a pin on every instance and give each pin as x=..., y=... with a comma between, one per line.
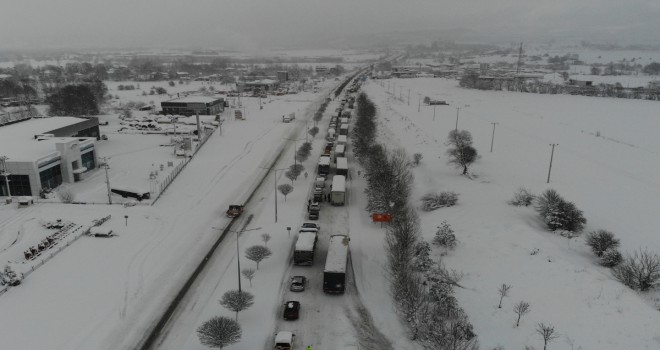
x=263, y=24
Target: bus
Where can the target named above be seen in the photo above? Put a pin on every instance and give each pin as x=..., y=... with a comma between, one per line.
x=132, y=192
x=334, y=273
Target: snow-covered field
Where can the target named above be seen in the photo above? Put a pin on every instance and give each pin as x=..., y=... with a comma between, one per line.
x=610, y=177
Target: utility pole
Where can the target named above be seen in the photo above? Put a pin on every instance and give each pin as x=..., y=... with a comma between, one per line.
x=238, y=255
x=457, y=109
x=3, y=162
x=295, y=157
x=434, y=112
x=275, y=182
x=408, y=97
x=419, y=101
x=552, y=153
x=492, y=138
x=107, y=178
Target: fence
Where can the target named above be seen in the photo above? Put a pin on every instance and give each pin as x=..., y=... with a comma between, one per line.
x=161, y=187
x=76, y=232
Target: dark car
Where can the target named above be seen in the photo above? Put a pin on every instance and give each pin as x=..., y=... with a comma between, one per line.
x=291, y=310
x=297, y=283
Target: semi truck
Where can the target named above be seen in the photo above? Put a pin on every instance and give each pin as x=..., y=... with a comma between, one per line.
x=334, y=273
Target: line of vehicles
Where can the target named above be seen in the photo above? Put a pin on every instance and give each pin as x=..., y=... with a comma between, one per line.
x=336, y=262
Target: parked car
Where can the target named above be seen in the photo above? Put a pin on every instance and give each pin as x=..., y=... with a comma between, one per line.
x=298, y=283
x=291, y=310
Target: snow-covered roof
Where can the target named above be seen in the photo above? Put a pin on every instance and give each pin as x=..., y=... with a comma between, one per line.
x=338, y=182
x=284, y=337
x=337, y=254
x=344, y=126
x=263, y=82
x=306, y=241
x=342, y=139
x=340, y=148
x=18, y=143
x=195, y=99
x=325, y=160
x=342, y=163
x=344, y=120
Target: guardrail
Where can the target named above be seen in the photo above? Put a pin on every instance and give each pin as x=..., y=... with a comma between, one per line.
x=161, y=187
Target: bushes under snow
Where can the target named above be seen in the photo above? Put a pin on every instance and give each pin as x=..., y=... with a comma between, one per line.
x=522, y=197
x=559, y=214
x=433, y=201
x=600, y=241
x=611, y=258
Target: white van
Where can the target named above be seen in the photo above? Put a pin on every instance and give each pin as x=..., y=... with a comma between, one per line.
x=284, y=340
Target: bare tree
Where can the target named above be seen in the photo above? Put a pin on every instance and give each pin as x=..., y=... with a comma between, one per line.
x=461, y=153
x=290, y=175
x=219, y=332
x=521, y=309
x=640, y=271
x=504, y=291
x=237, y=301
x=249, y=274
x=66, y=195
x=265, y=237
x=285, y=189
x=547, y=333
x=257, y=253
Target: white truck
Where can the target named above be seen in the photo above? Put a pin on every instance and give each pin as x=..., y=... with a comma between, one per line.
x=338, y=192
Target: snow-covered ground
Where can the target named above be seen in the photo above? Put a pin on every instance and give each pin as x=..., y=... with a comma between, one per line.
x=105, y=293
x=610, y=177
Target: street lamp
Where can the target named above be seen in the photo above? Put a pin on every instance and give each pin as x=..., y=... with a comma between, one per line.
x=238, y=255
x=295, y=145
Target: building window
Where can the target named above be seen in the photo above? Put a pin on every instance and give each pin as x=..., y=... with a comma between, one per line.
x=51, y=177
x=88, y=160
x=18, y=184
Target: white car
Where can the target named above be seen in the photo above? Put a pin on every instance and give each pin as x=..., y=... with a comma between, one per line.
x=310, y=226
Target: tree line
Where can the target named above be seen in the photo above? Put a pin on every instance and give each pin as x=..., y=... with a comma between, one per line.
x=422, y=289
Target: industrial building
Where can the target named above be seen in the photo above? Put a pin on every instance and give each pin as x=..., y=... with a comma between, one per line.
x=44, y=153
x=191, y=105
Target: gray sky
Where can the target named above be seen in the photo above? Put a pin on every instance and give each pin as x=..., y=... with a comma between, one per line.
x=261, y=24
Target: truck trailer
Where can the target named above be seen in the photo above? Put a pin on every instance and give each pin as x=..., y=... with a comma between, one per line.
x=334, y=273
x=338, y=192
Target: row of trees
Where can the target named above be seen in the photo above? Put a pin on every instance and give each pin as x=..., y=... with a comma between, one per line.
x=422, y=290
x=220, y=331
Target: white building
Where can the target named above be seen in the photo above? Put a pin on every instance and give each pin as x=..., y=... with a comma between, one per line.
x=36, y=157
